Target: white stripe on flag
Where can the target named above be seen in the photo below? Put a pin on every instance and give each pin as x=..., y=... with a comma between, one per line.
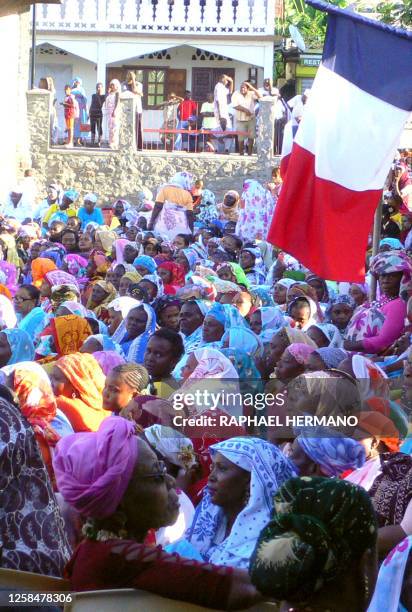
x=352, y=134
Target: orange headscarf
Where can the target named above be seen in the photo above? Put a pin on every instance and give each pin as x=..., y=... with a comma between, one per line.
x=69, y=332
x=38, y=404
x=5, y=291
x=39, y=268
x=85, y=410
x=379, y=426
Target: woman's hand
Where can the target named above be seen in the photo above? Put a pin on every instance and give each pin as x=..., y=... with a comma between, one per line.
x=349, y=345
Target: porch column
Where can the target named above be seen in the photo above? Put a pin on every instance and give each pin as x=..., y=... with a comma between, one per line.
x=101, y=63
x=268, y=61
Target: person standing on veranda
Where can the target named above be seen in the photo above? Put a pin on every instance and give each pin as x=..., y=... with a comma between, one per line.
x=243, y=101
x=223, y=89
x=136, y=88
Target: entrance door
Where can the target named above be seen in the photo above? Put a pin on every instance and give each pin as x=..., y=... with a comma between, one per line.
x=205, y=79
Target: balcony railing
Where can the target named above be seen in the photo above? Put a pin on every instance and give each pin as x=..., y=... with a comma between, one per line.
x=174, y=17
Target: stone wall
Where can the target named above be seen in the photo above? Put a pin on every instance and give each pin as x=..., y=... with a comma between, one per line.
x=112, y=174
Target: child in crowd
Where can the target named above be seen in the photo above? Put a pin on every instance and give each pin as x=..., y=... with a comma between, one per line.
x=70, y=105
x=124, y=382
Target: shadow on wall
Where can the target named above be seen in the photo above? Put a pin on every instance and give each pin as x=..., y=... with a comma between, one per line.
x=114, y=174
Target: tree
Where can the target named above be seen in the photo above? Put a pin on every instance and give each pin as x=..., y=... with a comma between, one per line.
x=396, y=13
x=310, y=22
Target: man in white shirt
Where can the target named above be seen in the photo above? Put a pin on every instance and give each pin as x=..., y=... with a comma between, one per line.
x=221, y=109
x=18, y=205
x=243, y=102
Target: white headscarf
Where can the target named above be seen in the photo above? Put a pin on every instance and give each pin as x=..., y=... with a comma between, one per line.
x=8, y=317
x=269, y=469
x=211, y=363
x=331, y=332
x=172, y=445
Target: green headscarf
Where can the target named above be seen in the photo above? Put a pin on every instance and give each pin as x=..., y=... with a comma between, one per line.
x=319, y=526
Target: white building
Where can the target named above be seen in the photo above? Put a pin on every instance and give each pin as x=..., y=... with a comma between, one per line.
x=172, y=45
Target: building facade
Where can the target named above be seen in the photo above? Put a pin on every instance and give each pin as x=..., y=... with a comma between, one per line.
x=172, y=45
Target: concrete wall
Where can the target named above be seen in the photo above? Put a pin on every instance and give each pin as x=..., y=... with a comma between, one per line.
x=113, y=174
x=14, y=51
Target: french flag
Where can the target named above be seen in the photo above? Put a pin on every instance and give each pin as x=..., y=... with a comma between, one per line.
x=342, y=152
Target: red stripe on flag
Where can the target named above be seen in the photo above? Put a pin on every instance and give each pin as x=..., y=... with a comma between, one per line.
x=324, y=225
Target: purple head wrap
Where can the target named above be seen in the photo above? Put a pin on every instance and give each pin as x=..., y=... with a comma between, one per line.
x=300, y=351
x=108, y=360
x=93, y=469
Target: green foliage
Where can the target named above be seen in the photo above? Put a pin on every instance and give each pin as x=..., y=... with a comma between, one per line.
x=396, y=13
x=310, y=22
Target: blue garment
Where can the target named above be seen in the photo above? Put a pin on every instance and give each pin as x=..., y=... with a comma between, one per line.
x=227, y=315
x=146, y=262
x=21, y=345
x=96, y=216
x=242, y=339
x=33, y=323
x=137, y=347
x=335, y=453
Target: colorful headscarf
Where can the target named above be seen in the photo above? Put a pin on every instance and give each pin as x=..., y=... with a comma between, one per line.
x=394, y=261
x=21, y=345
x=172, y=445
x=294, y=336
x=138, y=346
x=111, y=294
x=55, y=278
x=227, y=315
x=133, y=276
x=120, y=245
x=56, y=254
x=94, y=469
x=379, y=426
x=177, y=273
x=69, y=332
x=108, y=360
x=208, y=211
x=85, y=375
x=184, y=180
x=390, y=581
x=330, y=450
x=211, y=363
x=10, y=272
x=39, y=268
x=10, y=244
x=262, y=296
x=269, y=469
x=61, y=294
x=101, y=262
x=146, y=262
x=76, y=308
x=107, y=238
x=157, y=282
x=393, y=243
x=76, y=265
x=238, y=272
x=256, y=210
x=319, y=527
x=191, y=257
x=300, y=352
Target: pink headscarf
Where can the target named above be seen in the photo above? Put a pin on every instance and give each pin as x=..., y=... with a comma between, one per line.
x=300, y=351
x=120, y=245
x=108, y=360
x=59, y=277
x=10, y=272
x=93, y=469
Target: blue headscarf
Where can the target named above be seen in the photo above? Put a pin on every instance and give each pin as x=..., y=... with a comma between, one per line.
x=263, y=292
x=250, y=380
x=146, y=262
x=191, y=257
x=241, y=338
x=335, y=453
x=21, y=345
x=331, y=356
x=56, y=254
x=71, y=194
x=137, y=348
x=393, y=243
x=227, y=315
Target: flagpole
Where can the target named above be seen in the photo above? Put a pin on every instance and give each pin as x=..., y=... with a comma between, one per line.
x=377, y=225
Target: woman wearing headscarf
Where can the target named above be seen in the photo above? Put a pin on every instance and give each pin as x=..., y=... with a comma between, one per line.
x=325, y=334
x=55, y=279
x=325, y=358
x=280, y=290
x=129, y=278
x=234, y=510
x=39, y=268
x=33, y=534
x=101, y=473
x=279, y=343
x=233, y=272
x=320, y=539
x=188, y=258
x=243, y=339
x=31, y=317
x=256, y=210
x=15, y=345
x=111, y=109
x=79, y=93
x=251, y=261
x=104, y=239
x=76, y=266
x=173, y=210
x=9, y=246
x=320, y=287
x=374, y=327
x=220, y=318
x=229, y=208
x=140, y=325
x=172, y=275
x=108, y=360
x=153, y=285
x=359, y=293
x=304, y=311
x=324, y=452
x=293, y=362
x=103, y=293
x=37, y=403
x=64, y=335
x=207, y=211
x=266, y=322
x=10, y=278
x=78, y=383
x=145, y=265
x=340, y=311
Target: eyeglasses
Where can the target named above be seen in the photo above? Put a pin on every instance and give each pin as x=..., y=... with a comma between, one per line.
x=161, y=473
x=18, y=299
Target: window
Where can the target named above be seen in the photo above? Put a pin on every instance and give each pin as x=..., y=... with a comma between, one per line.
x=154, y=90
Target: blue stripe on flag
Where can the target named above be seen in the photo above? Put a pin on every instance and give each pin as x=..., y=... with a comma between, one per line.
x=373, y=56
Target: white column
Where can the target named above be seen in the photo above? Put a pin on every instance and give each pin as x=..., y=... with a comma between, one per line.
x=268, y=61
x=101, y=62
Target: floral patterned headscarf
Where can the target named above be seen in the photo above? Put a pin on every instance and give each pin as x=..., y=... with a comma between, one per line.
x=394, y=261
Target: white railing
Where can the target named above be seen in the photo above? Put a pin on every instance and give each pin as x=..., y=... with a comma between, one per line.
x=214, y=17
